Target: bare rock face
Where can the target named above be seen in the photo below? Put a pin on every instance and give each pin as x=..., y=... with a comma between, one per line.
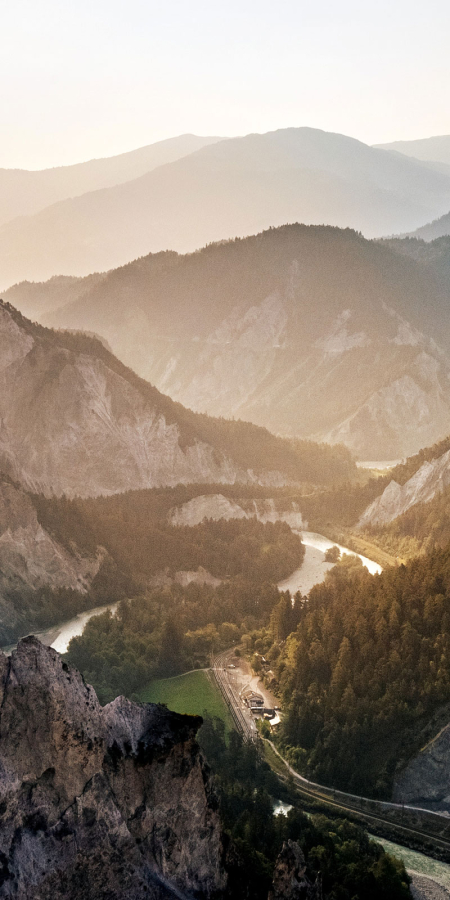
x=29, y=556
x=216, y=506
x=75, y=421
x=431, y=479
x=99, y=804
x=289, y=877
x=311, y=332
x=426, y=779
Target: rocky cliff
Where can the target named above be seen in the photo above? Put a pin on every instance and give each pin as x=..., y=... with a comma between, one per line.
x=99, y=804
x=29, y=555
x=430, y=479
x=75, y=421
x=31, y=558
x=426, y=779
x=289, y=878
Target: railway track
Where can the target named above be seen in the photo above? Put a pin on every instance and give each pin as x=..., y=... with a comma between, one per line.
x=324, y=797
x=242, y=719
x=366, y=808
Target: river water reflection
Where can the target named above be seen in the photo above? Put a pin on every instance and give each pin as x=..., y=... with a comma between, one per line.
x=59, y=636
x=314, y=568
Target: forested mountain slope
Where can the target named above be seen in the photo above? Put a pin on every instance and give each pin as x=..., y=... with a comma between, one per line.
x=310, y=331
x=75, y=421
x=433, y=256
x=234, y=187
x=35, y=299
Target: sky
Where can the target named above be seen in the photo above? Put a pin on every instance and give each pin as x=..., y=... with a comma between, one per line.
x=91, y=78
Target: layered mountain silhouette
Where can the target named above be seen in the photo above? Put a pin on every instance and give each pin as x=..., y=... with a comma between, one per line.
x=435, y=229
x=24, y=192
x=311, y=331
x=234, y=187
x=433, y=149
x=436, y=152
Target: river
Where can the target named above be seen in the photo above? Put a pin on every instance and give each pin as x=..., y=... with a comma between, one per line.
x=59, y=636
x=311, y=572
x=314, y=568
x=418, y=863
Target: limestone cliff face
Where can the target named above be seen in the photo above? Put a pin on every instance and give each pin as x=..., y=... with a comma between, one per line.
x=99, y=804
x=216, y=506
x=426, y=779
x=396, y=499
x=30, y=558
x=74, y=421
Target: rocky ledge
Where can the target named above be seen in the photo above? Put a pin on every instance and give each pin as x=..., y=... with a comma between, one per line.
x=97, y=803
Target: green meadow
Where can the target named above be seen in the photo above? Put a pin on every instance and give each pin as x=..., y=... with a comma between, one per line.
x=193, y=694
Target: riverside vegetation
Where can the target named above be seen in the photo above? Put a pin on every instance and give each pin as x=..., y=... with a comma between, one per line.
x=136, y=543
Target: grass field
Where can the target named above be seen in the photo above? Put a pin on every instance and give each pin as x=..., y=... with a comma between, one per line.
x=192, y=693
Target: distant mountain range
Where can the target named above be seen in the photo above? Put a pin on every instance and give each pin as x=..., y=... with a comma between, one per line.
x=433, y=149
x=435, y=229
x=229, y=188
x=313, y=332
x=24, y=192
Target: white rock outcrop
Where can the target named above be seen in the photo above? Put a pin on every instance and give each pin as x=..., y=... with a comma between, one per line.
x=29, y=556
x=216, y=506
x=431, y=479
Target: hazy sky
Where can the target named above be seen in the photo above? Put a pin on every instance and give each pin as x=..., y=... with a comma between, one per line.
x=88, y=78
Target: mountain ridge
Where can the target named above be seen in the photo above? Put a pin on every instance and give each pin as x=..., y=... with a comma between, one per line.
x=432, y=149
x=234, y=187
x=25, y=192
x=272, y=329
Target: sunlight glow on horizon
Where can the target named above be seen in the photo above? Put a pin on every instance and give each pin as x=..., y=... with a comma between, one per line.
x=99, y=78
